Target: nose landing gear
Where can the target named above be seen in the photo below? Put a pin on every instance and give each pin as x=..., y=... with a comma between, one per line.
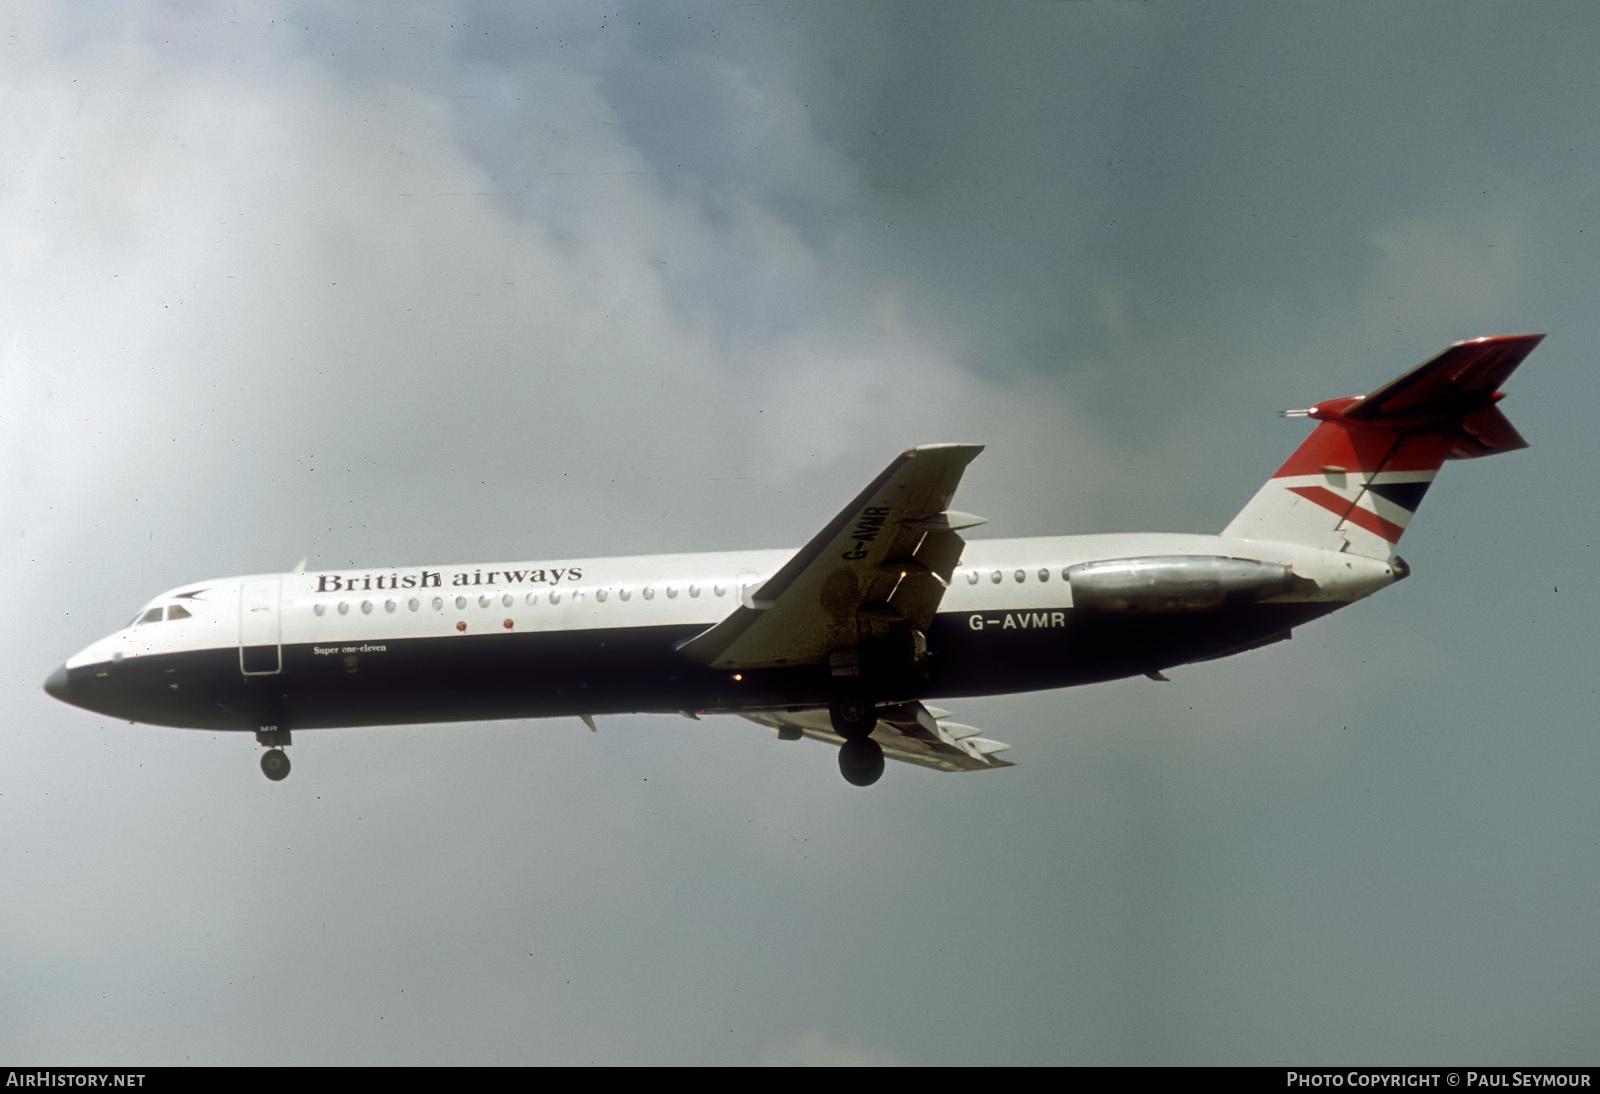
x=274, y=762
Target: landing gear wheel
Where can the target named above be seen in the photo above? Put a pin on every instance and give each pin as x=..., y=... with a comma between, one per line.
x=275, y=765
x=852, y=715
x=861, y=761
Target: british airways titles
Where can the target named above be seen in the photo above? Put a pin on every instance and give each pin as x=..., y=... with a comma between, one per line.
x=433, y=579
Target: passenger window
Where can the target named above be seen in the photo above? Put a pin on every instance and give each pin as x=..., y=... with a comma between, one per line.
x=694, y=590
x=366, y=607
x=995, y=577
x=177, y=611
x=483, y=601
x=555, y=598
x=600, y=595
x=649, y=593
x=461, y=602
x=533, y=598
x=320, y=608
x=719, y=589
x=672, y=592
x=507, y=600
x=344, y=607
x=438, y=603
x=972, y=577
x=389, y=605
x=1021, y=575
x=1044, y=574
x=413, y=603
x=624, y=594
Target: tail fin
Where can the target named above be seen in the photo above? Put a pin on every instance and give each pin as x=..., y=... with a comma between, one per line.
x=1355, y=482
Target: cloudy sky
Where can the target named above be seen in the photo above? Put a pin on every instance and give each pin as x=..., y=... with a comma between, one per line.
x=429, y=283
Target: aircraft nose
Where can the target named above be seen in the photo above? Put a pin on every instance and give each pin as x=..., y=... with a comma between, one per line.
x=58, y=686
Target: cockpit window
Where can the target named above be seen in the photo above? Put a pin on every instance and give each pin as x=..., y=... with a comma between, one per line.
x=153, y=615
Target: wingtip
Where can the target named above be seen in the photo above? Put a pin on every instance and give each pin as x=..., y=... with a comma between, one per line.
x=942, y=447
x=1530, y=340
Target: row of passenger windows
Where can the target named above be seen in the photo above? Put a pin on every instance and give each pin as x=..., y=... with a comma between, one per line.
x=178, y=611
x=509, y=600
x=554, y=597
x=1019, y=576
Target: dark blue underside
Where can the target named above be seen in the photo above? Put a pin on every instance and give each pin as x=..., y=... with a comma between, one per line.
x=532, y=675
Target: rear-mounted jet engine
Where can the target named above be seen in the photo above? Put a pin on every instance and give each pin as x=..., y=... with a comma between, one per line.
x=1179, y=583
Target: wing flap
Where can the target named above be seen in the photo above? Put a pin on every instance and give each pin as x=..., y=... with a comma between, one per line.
x=909, y=732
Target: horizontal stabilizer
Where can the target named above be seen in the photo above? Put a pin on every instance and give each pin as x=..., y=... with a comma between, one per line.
x=1486, y=432
x=1464, y=378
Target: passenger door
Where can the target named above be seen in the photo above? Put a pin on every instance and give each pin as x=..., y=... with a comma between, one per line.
x=260, y=653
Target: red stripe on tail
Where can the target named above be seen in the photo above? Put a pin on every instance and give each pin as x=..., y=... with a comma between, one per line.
x=1349, y=511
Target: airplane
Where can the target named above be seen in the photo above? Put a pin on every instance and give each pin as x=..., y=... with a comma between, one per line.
x=846, y=640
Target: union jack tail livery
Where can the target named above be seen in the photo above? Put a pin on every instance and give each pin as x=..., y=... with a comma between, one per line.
x=1355, y=482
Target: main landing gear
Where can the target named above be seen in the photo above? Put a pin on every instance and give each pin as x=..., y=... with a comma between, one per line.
x=861, y=761
x=274, y=762
x=860, y=757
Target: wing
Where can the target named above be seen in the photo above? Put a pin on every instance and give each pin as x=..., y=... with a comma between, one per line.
x=909, y=732
x=887, y=557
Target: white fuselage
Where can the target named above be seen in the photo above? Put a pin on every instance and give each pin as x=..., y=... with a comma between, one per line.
x=328, y=610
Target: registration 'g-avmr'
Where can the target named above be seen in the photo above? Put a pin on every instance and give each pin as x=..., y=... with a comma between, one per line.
x=847, y=640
